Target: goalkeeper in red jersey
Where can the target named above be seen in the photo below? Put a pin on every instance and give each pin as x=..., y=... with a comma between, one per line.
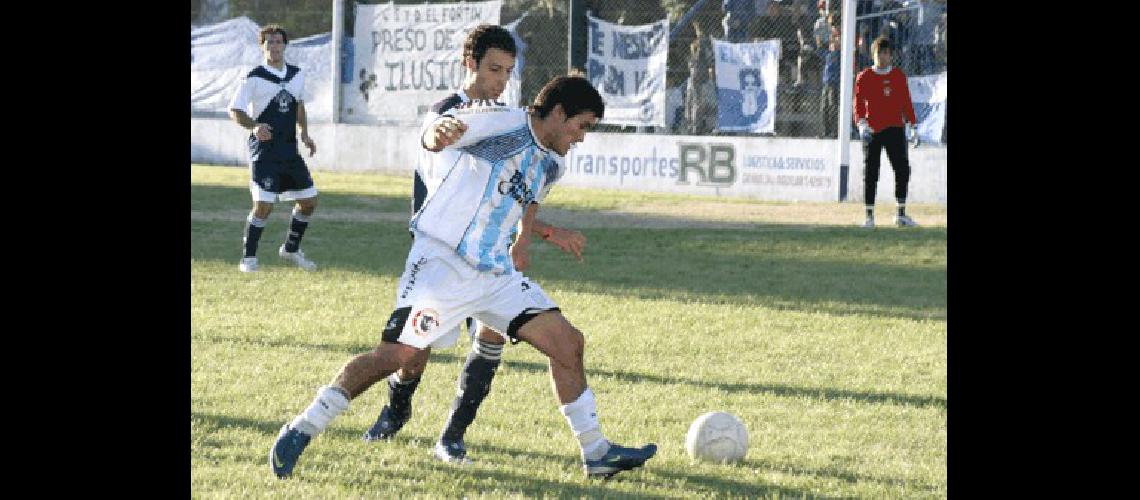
x=885, y=117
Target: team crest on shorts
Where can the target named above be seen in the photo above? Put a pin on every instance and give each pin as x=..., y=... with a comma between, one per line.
x=424, y=321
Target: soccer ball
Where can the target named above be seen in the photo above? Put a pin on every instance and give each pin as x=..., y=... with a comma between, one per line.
x=717, y=437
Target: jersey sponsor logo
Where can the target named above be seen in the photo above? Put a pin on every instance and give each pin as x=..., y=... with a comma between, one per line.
x=515, y=188
x=425, y=321
x=283, y=100
x=887, y=91
x=525, y=286
x=476, y=103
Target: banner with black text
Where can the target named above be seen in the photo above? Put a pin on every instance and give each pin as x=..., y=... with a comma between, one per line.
x=627, y=66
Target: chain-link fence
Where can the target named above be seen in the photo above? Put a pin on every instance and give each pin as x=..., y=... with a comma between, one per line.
x=806, y=88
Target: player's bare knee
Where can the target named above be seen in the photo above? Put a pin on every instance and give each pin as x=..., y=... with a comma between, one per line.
x=486, y=334
x=307, y=206
x=261, y=210
x=414, y=366
x=570, y=345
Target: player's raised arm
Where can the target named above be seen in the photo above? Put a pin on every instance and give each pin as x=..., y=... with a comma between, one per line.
x=469, y=125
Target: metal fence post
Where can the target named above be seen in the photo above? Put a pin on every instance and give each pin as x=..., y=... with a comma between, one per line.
x=576, y=32
x=846, y=94
x=337, y=37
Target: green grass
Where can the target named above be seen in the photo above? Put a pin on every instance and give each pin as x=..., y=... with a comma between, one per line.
x=827, y=340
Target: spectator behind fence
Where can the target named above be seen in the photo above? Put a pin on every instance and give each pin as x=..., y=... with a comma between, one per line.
x=737, y=20
x=885, y=116
x=924, y=24
x=821, y=28
x=700, y=92
x=940, y=42
x=808, y=61
x=829, y=94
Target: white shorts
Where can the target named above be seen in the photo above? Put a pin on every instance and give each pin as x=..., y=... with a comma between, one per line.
x=271, y=197
x=450, y=338
x=439, y=289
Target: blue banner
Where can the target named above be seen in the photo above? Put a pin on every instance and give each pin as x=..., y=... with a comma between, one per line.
x=746, y=75
x=928, y=93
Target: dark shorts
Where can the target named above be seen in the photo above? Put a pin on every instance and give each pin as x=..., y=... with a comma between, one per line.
x=278, y=176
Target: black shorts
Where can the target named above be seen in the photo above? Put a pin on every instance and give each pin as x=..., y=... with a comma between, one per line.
x=278, y=176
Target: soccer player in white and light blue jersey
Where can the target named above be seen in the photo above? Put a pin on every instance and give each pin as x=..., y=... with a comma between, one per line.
x=462, y=263
x=489, y=56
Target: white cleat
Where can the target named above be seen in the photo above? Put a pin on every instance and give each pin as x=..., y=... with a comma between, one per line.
x=905, y=221
x=297, y=258
x=869, y=223
x=248, y=264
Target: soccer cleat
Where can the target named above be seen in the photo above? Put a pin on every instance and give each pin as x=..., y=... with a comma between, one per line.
x=298, y=258
x=619, y=458
x=248, y=264
x=905, y=221
x=387, y=425
x=285, y=452
x=451, y=451
x=869, y=223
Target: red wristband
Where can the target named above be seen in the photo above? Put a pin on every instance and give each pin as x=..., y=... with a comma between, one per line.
x=546, y=233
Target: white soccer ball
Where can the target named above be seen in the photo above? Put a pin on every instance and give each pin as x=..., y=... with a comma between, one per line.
x=717, y=437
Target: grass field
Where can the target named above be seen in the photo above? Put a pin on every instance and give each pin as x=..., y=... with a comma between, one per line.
x=827, y=340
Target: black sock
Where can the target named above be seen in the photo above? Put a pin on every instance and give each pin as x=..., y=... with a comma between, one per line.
x=253, y=228
x=474, y=385
x=902, y=209
x=296, y=231
x=400, y=394
x=870, y=211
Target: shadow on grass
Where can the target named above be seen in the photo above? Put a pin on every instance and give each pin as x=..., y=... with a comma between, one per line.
x=781, y=390
x=500, y=458
x=838, y=270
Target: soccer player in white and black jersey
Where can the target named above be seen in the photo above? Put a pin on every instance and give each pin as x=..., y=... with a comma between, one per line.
x=489, y=54
x=463, y=263
x=273, y=92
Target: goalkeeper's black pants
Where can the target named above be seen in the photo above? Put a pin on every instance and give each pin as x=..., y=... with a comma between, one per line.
x=893, y=139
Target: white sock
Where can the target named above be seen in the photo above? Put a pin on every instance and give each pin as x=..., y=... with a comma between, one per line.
x=330, y=402
x=582, y=414
x=395, y=378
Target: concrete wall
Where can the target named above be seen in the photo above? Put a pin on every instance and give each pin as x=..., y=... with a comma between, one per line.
x=767, y=168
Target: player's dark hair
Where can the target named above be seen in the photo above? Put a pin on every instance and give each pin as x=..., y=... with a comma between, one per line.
x=574, y=92
x=881, y=43
x=488, y=36
x=270, y=29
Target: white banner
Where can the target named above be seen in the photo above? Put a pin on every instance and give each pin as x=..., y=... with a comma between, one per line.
x=746, y=75
x=512, y=94
x=765, y=168
x=627, y=66
x=928, y=94
x=222, y=54
x=407, y=57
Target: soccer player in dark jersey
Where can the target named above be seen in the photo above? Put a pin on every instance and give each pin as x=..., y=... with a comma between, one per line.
x=489, y=54
x=273, y=92
x=884, y=114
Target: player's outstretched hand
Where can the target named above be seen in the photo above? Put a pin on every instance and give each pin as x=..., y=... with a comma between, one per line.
x=519, y=254
x=447, y=131
x=569, y=240
x=310, y=144
x=262, y=132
